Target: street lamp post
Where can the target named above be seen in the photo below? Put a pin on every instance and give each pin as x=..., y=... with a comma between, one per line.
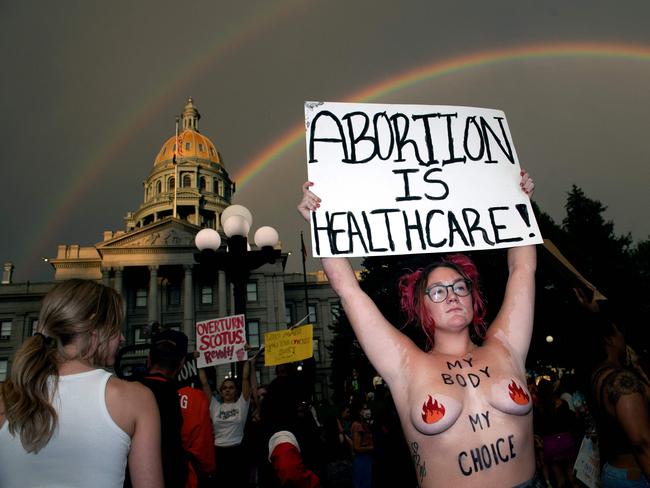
x=237, y=261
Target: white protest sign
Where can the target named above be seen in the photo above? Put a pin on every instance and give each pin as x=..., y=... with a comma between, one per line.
x=221, y=340
x=400, y=179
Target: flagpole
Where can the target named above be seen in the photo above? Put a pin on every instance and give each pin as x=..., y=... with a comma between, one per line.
x=175, y=168
x=304, y=272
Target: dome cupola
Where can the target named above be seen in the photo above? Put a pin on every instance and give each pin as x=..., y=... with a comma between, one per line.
x=188, y=179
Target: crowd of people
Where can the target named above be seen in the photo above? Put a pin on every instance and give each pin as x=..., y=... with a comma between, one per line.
x=461, y=412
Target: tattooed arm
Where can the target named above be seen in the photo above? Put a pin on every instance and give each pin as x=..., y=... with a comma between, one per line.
x=627, y=400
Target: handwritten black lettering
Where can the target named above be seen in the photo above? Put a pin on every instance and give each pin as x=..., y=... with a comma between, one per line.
x=393, y=137
x=354, y=139
x=486, y=455
x=475, y=420
x=407, y=190
x=355, y=232
x=445, y=187
x=496, y=227
x=463, y=379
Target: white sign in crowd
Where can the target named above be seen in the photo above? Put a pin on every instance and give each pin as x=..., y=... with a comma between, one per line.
x=221, y=340
x=400, y=179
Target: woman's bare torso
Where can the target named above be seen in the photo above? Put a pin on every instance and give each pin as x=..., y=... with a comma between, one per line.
x=467, y=420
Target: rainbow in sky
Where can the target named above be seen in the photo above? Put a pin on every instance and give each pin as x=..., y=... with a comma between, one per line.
x=439, y=68
x=58, y=211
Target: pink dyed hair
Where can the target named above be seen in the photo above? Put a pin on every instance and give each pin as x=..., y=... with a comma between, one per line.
x=412, y=288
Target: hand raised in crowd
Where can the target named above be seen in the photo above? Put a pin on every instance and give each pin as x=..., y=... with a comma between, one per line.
x=310, y=202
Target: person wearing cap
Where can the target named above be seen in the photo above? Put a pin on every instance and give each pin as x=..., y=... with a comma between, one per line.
x=185, y=418
x=165, y=359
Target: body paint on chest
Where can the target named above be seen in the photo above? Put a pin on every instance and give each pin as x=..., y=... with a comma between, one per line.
x=464, y=379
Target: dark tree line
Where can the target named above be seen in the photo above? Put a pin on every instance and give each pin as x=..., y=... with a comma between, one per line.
x=616, y=266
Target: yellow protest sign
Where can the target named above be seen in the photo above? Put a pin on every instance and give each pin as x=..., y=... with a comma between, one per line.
x=286, y=346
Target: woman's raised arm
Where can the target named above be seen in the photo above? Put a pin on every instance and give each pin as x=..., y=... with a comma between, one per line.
x=385, y=346
x=515, y=318
x=246, y=380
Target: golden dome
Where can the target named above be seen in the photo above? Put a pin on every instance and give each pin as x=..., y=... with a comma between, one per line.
x=194, y=146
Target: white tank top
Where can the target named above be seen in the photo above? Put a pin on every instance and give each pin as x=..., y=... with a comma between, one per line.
x=87, y=449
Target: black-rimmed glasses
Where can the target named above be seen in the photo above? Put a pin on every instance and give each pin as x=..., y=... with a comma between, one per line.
x=438, y=293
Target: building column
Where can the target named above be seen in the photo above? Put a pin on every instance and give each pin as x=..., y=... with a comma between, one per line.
x=118, y=285
x=223, y=293
x=153, y=295
x=188, y=304
x=106, y=276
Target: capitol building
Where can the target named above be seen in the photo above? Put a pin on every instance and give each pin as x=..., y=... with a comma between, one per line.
x=152, y=263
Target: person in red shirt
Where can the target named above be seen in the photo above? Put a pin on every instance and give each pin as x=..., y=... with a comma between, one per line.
x=197, y=434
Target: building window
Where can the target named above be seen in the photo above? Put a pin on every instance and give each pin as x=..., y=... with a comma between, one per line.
x=288, y=315
x=220, y=187
x=316, y=344
x=187, y=181
x=3, y=369
x=335, y=310
x=174, y=295
x=32, y=327
x=200, y=147
x=171, y=183
x=187, y=146
x=140, y=335
x=312, y=314
x=251, y=291
x=158, y=187
x=206, y=295
x=202, y=183
x=141, y=297
x=253, y=327
x=5, y=330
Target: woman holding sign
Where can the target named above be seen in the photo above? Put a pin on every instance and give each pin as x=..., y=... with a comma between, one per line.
x=228, y=421
x=464, y=408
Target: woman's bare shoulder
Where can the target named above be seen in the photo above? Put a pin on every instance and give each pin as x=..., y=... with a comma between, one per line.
x=129, y=390
x=128, y=402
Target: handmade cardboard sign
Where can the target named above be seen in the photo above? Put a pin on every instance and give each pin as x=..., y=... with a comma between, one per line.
x=286, y=346
x=401, y=179
x=221, y=340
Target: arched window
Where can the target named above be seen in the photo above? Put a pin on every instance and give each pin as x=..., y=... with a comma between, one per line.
x=171, y=183
x=202, y=183
x=158, y=187
x=187, y=181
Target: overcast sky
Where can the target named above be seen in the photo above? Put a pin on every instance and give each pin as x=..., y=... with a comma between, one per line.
x=90, y=90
